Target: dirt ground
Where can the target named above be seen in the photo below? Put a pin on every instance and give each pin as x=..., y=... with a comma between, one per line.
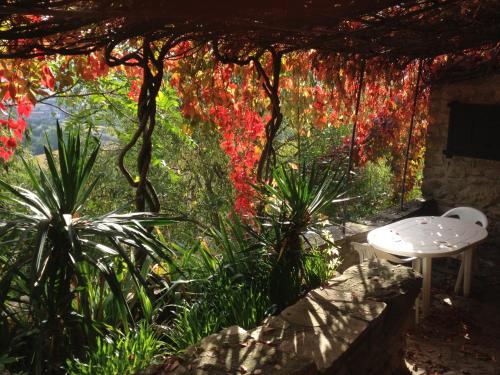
x=460, y=335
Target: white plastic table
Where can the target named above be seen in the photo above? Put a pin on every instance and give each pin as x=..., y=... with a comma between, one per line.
x=430, y=237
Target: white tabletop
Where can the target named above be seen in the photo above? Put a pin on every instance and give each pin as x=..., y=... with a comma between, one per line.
x=426, y=236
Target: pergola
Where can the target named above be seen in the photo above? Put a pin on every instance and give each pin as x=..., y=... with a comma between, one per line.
x=390, y=28
x=241, y=33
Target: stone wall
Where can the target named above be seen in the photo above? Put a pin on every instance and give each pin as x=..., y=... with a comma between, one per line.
x=461, y=181
x=356, y=325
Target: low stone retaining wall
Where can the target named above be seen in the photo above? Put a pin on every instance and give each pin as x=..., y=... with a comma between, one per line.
x=356, y=325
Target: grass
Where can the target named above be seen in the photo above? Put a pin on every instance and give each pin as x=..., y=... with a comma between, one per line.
x=120, y=354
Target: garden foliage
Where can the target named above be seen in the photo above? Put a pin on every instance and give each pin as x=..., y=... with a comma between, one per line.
x=87, y=288
x=66, y=275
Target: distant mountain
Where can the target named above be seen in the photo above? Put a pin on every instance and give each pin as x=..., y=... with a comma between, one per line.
x=43, y=120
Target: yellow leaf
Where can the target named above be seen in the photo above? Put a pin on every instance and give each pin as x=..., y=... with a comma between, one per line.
x=186, y=129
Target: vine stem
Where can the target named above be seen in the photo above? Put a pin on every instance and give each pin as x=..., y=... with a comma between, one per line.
x=271, y=87
x=410, y=133
x=355, y=124
x=353, y=135
x=268, y=157
x=151, y=60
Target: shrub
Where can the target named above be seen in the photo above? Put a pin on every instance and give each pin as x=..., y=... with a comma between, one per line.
x=291, y=208
x=119, y=354
x=320, y=266
x=224, y=281
x=57, y=266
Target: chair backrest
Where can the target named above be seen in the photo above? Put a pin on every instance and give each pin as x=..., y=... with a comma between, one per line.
x=364, y=250
x=469, y=214
x=368, y=252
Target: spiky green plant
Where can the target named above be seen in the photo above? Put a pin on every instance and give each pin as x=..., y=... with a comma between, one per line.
x=291, y=207
x=52, y=255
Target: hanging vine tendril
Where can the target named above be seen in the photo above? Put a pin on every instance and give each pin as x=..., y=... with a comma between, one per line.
x=270, y=86
x=151, y=60
x=410, y=133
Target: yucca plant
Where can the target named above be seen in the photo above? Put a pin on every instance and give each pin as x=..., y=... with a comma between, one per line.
x=291, y=205
x=52, y=254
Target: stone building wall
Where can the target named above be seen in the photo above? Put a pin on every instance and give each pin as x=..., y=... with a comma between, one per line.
x=461, y=181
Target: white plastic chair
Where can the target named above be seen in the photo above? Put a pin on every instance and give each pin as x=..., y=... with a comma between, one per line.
x=368, y=252
x=471, y=215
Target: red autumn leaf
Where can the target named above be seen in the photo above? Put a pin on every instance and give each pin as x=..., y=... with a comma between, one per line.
x=12, y=123
x=11, y=142
x=47, y=79
x=5, y=154
x=24, y=107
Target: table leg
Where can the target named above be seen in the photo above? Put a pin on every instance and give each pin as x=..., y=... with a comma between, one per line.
x=417, y=267
x=426, y=288
x=467, y=264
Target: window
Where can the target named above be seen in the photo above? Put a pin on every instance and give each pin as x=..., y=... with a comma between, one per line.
x=474, y=131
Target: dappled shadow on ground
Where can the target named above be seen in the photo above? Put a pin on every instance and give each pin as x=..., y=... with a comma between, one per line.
x=460, y=335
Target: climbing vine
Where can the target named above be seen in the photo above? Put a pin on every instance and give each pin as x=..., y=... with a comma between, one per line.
x=246, y=101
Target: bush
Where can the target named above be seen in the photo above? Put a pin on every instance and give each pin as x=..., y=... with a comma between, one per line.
x=222, y=282
x=291, y=208
x=320, y=266
x=119, y=354
x=373, y=188
x=59, y=267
